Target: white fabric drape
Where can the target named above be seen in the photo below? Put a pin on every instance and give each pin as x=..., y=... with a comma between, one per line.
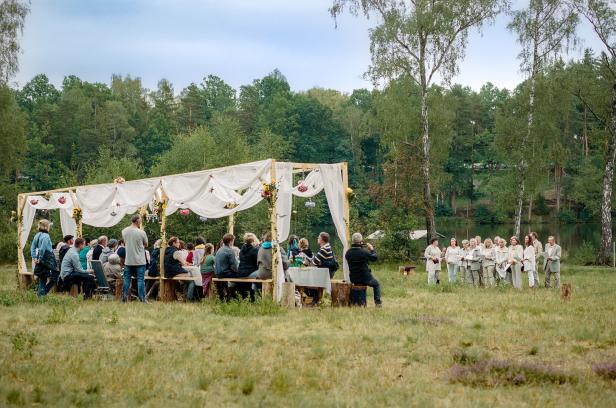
x=335, y=192
x=26, y=225
x=284, y=203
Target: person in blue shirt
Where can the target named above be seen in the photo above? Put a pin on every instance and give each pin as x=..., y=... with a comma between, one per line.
x=71, y=271
x=45, y=266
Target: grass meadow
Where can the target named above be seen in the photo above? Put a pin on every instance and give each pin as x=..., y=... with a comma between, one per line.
x=428, y=346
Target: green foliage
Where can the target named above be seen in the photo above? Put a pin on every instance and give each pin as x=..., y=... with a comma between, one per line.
x=566, y=217
x=483, y=215
x=585, y=254
x=540, y=206
x=443, y=210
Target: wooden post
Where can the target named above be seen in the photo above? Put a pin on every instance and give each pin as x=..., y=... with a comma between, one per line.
x=79, y=229
x=20, y=250
x=142, y=212
x=163, y=244
x=231, y=225
x=274, y=232
x=288, y=294
x=346, y=206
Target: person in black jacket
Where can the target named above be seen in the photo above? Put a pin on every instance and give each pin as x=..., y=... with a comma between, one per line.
x=248, y=257
x=358, y=257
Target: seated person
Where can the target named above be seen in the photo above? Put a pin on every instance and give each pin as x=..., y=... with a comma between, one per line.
x=249, y=252
x=293, y=252
x=174, y=261
x=154, y=269
x=358, y=257
x=305, y=251
x=121, y=251
x=226, y=264
x=67, y=243
x=190, y=257
x=113, y=270
x=207, y=267
x=325, y=257
x=71, y=271
x=108, y=250
x=264, y=258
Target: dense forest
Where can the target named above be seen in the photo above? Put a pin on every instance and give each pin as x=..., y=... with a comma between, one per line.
x=82, y=133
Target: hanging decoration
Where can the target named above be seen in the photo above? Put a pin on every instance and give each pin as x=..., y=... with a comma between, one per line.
x=119, y=180
x=62, y=200
x=231, y=205
x=302, y=187
x=184, y=212
x=310, y=204
x=34, y=201
x=47, y=196
x=269, y=190
x=350, y=194
x=77, y=214
x=202, y=218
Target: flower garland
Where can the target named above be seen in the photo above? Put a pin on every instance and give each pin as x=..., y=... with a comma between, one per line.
x=77, y=214
x=269, y=191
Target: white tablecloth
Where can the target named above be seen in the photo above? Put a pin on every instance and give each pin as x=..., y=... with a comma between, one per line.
x=313, y=277
x=195, y=272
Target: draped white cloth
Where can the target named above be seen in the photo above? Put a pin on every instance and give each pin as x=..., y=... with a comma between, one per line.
x=211, y=193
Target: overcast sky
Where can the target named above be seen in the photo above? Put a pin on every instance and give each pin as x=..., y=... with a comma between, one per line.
x=238, y=40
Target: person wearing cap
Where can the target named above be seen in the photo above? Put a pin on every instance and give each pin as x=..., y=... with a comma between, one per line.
x=68, y=243
x=358, y=257
x=108, y=250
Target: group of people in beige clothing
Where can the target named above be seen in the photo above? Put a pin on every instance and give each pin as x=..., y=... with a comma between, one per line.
x=492, y=262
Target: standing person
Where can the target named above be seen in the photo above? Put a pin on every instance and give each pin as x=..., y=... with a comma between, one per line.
x=45, y=266
x=475, y=261
x=207, y=268
x=551, y=264
x=135, y=241
x=72, y=272
x=480, y=246
x=538, y=254
x=516, y=255
x=98, y=249
x=530, y=264
x=488, y=264
x=433, y=261
x=464, y=263
x=453, y=257
x=502, y=257
x=325, y=257
x=360, y=274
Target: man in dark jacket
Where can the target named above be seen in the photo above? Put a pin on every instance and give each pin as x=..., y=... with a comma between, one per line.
x=358, y=257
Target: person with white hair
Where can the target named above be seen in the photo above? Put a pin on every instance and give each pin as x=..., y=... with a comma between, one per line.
x=453, y=256
x=516, y=256
x=358, y=257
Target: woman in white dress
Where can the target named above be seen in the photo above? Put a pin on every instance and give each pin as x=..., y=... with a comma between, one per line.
x=474, y=256
x=464, y=263
x=516, y=256
x=453, y=256
x=530, y=262
x=433, y=261
x=502, y=256
x=488, y=264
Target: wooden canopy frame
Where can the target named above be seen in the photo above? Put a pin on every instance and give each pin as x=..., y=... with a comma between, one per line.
x=24, y=278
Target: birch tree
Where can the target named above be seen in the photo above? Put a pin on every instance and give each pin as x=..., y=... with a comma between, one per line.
x=421, y=39
x=601, y=14
x=12, y=17
x=544, y=30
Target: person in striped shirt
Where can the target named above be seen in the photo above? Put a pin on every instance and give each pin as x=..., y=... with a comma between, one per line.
x=325, y=257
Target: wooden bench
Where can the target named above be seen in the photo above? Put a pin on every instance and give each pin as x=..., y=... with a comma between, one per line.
x=266, y=284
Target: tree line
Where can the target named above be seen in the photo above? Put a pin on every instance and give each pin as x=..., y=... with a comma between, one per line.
x=416, y=149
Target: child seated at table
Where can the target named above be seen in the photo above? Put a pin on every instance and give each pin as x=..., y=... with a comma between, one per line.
x=305, y=252
x=294, y=253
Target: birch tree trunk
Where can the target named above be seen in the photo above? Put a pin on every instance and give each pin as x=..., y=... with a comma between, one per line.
x=608, y=180
x=557, y=180
x=427, y=196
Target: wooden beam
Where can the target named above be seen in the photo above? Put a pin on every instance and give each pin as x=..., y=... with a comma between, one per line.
x=163, y=244
x=231, y=225
x=274, y=232
x=346, y=205
x=20, y=204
